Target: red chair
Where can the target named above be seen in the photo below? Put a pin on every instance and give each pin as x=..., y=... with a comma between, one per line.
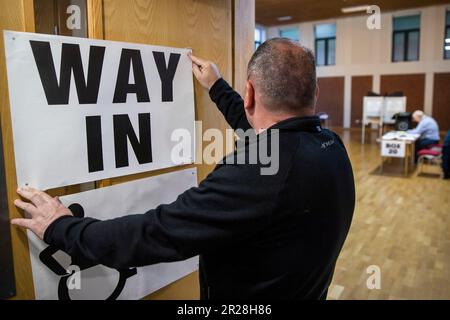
x=432, y=155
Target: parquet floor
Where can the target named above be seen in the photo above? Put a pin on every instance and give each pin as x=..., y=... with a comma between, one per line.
x=401, y=225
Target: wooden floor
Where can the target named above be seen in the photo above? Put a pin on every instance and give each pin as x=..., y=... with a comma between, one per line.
x=401, y=225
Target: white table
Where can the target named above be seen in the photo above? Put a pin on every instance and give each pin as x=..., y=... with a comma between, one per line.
x=398, y=144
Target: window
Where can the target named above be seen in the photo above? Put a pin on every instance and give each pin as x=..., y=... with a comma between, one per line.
x=325, y=44
x=447, y=36
x=406, y=38
x=290, y=33
x=260, y=36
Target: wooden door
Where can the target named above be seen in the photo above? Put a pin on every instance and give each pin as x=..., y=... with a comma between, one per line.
x=441, y=100
x=331, y=99
x=208, y=27
x=412, y=86
x=361, y=85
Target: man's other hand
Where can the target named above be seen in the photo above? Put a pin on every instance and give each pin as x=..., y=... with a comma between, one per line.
x=206, y=72
x=43, y=210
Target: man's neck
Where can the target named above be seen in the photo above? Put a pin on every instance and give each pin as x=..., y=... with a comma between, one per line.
x=272, y=119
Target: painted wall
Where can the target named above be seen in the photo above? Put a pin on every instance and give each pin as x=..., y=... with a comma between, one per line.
x=360, y=51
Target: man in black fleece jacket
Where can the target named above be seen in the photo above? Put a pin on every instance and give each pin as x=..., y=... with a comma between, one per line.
x=258, y=236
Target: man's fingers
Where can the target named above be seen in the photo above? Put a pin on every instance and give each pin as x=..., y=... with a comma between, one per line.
x=26, y=192
x=28, y=207
x=198, y=61
x=38, y=200
x=31, y=193
x=196, y=70
x=24, y=223
x=44, y=195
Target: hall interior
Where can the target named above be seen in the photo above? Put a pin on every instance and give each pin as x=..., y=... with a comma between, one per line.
x=390, y=52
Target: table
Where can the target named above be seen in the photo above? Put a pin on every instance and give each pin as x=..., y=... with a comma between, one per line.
x=398, y=144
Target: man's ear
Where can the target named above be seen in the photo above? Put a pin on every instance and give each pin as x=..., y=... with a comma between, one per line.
x=249, y=98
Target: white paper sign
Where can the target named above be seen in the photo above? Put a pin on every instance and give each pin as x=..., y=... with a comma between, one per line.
x=393, y=148
x=100, y=282
x=85, y=110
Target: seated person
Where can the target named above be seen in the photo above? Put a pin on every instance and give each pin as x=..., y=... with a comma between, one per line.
x=446, y=156
x=428, y=130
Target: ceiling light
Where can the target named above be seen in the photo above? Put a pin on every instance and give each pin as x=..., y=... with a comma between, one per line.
x=355, y=9
x=284, y=18
x=447, y=40
x=447, y=48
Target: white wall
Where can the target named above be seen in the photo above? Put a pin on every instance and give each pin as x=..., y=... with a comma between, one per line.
x=360, y=51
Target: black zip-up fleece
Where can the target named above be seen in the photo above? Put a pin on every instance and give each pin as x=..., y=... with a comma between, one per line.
x=258, y=236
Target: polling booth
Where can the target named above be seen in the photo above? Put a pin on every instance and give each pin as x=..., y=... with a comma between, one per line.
x=381, y=111
x=95, y=95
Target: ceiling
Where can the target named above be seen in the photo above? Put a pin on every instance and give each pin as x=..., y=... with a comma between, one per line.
x=267, y=11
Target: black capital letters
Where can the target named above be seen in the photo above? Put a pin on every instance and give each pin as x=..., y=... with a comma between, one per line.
x=123, y=87
x=123, y=130
x=94, y=143
x=58, y=94
x=166, y=73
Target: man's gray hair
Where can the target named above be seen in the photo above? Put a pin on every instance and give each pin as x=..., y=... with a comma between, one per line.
x=418, y=114
x=284, y=74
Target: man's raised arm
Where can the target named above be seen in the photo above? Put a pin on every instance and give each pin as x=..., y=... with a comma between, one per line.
x=227, y=100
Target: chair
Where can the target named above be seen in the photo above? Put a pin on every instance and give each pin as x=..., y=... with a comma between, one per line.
x=432, y=156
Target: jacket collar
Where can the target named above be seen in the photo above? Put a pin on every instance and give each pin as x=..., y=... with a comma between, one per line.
x=309, y=124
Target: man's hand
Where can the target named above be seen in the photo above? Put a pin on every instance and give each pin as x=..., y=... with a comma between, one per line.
x=43, y=210
x=206, y=72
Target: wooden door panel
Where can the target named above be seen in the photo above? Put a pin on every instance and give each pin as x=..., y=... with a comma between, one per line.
x=412, y=86
x=331, y=99
x=204, y=26
x=361, y=85
x=441, y=100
